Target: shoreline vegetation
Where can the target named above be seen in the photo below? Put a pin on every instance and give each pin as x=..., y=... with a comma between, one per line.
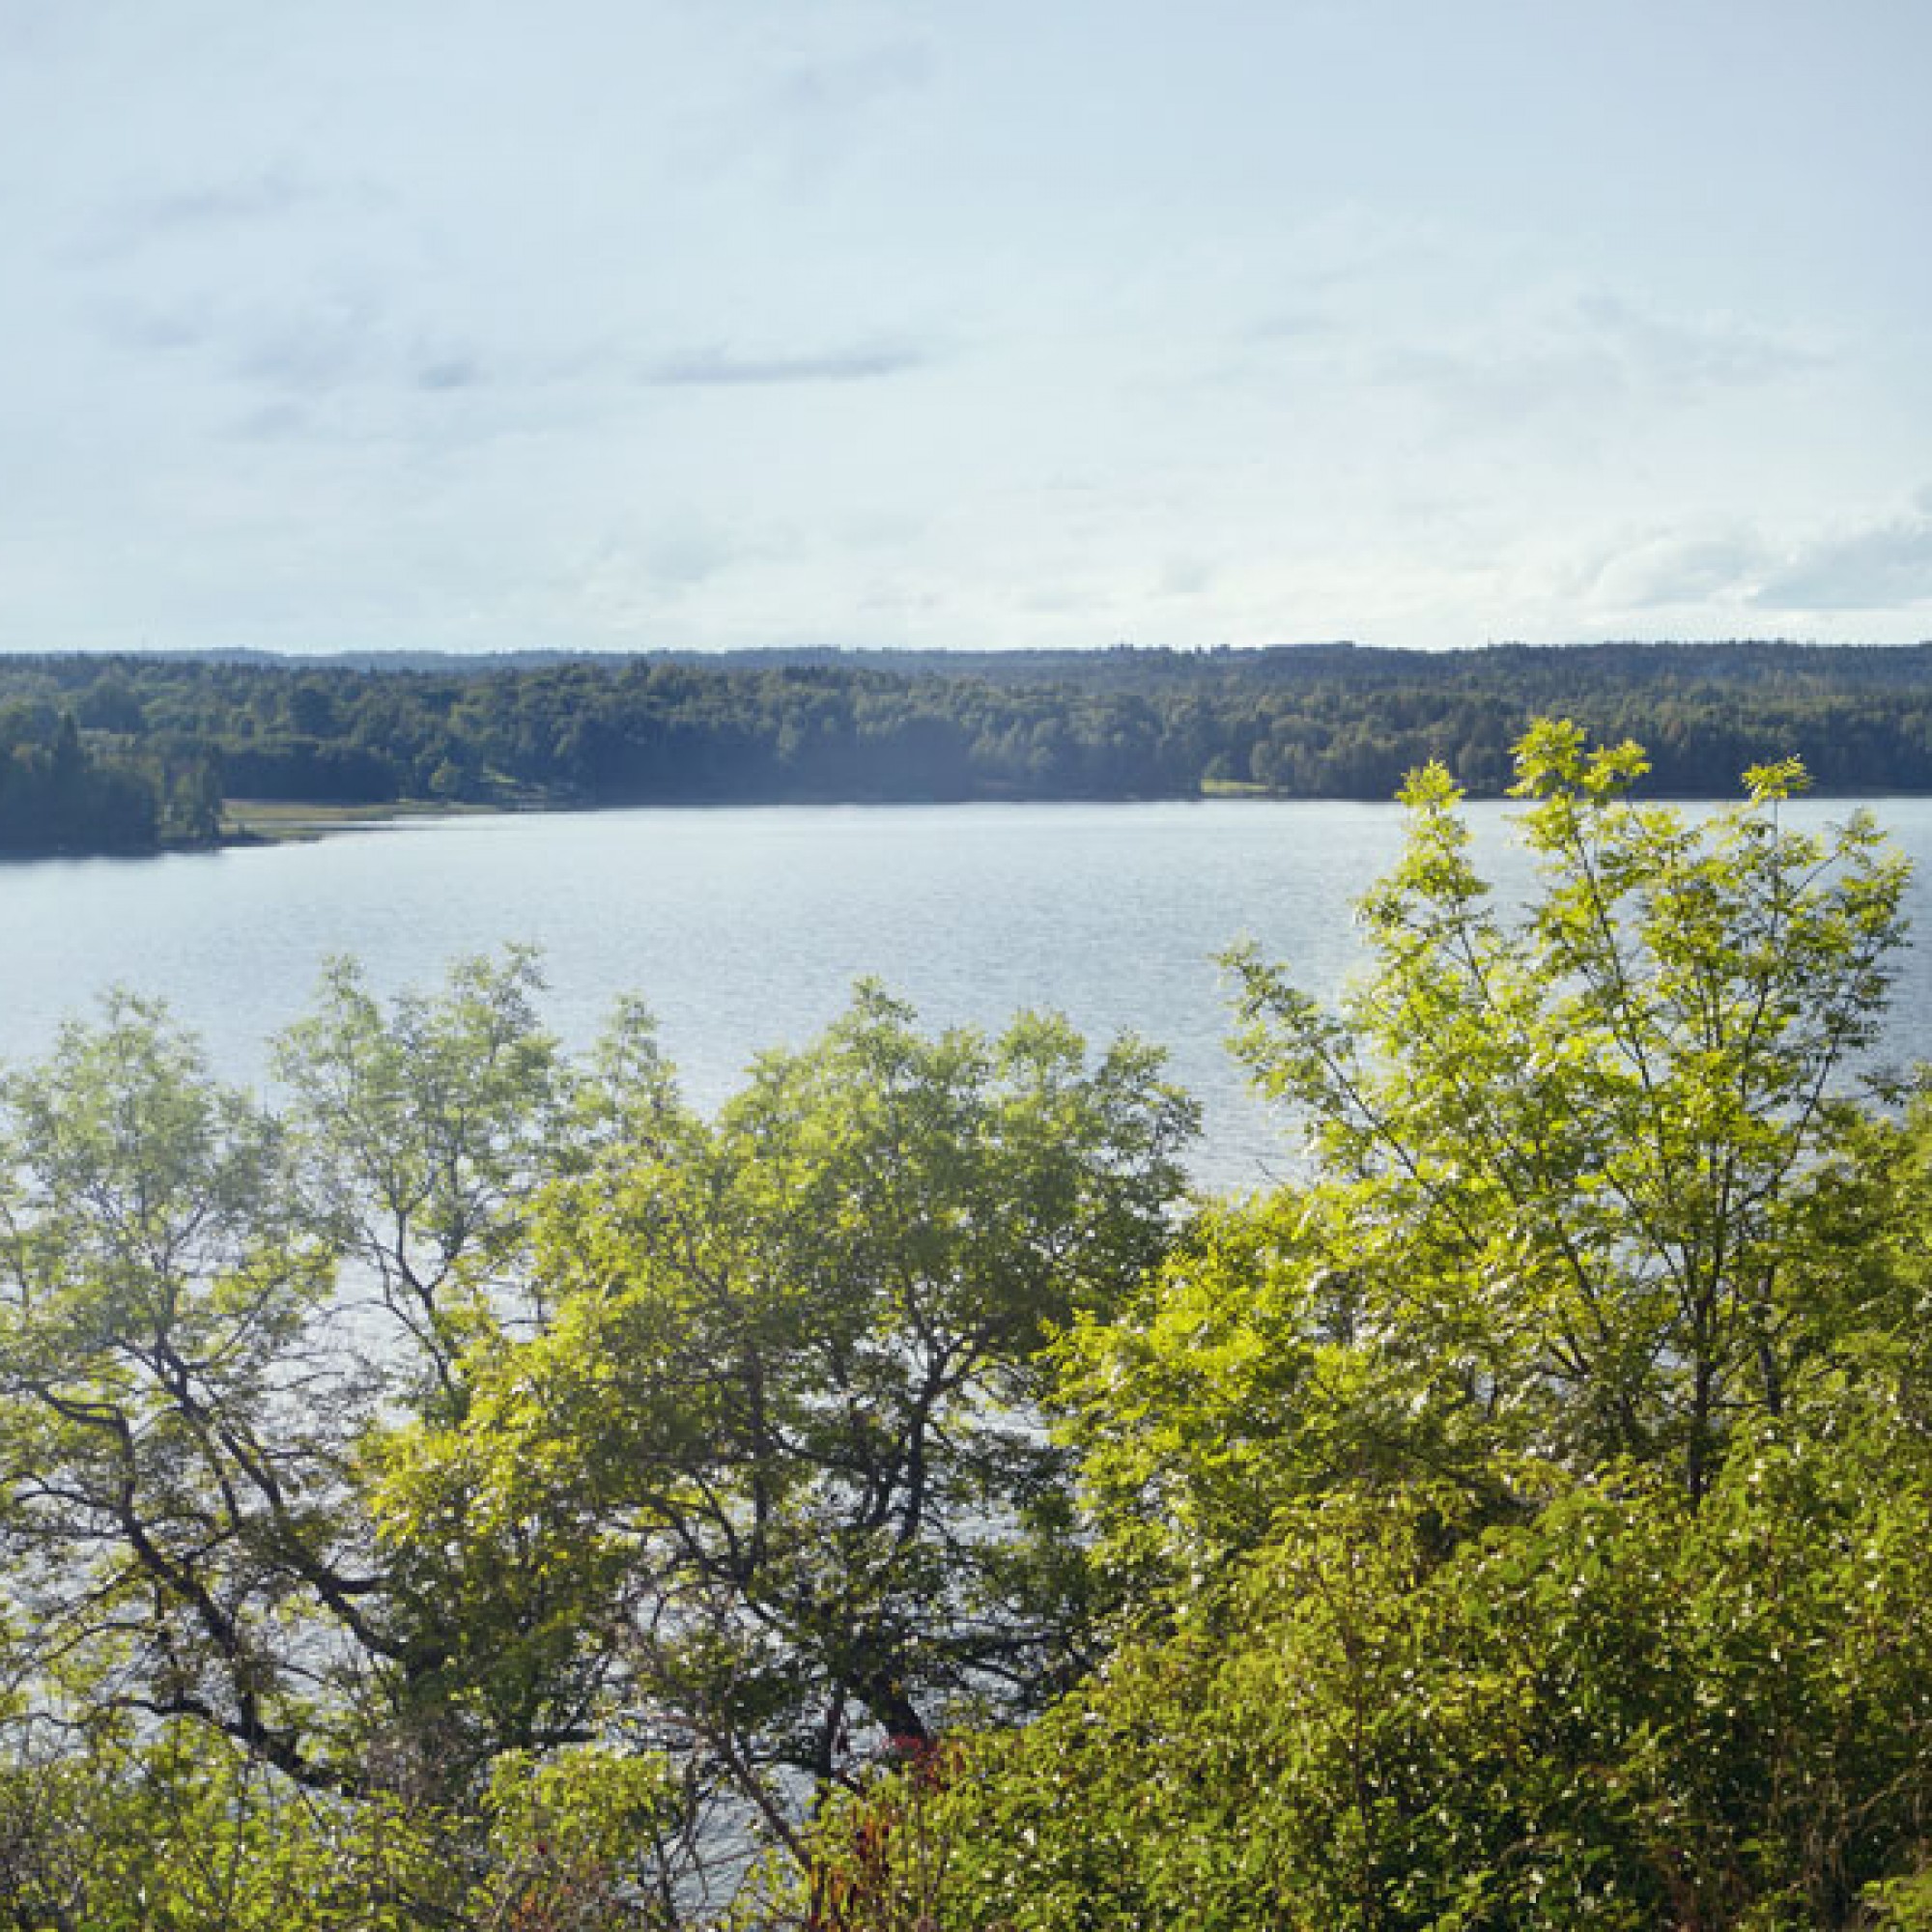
x=267, y=821
x=470, y=1487
x=132, y=753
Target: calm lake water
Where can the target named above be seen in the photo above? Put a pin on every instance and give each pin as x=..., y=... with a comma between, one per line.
x=744, y=928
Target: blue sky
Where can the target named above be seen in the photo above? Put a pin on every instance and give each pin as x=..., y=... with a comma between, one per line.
x=650, y=324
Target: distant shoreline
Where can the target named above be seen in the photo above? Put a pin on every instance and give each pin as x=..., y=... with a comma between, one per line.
x=141, y=754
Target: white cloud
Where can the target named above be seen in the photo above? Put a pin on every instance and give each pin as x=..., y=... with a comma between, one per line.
x=1672, y=570
x=1184, y=576
x=1884, y=566
x=1677, y=352
x=1586, y=353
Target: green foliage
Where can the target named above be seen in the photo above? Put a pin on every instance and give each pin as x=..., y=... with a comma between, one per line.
x=1200, y=1405
x=1624, y=1711
x=168, y=1477
x=197, y=1410
x=575, y=1843
x=57, y=795
x=426, y=1130
x=479, y=1492
x=1562, y=1160
x=1578, y=1185
x=1524, y=1513
x=183, y=1834
x=161, y=740
x=176, y=1835
x=791, y=1384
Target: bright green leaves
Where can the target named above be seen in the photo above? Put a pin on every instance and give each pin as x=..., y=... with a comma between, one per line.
x=168, y=1473
x=1186, y=1401
x=1526, y=1508
x=199, y=1393
x=1619, y=1710
x=1554, y=763
x=794, y=1362
x=141, y=1205
x=580, y=1839
x=425, y=1129
x=1768, y=785
x=180, y=1834
x=481, y=1404
x=1564, y=1149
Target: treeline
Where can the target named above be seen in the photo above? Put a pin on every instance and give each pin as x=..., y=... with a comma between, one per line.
x=55, y=795
x=472, y=1489
x=66, y=787
x=170, y=738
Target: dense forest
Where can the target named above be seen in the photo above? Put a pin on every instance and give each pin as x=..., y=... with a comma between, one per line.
x=472, y=1489
x=101, y=753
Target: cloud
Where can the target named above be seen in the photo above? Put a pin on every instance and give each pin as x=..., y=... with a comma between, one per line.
x=1500, y=382
x=648, y=566
x=1707, y=351
x=1881, y=567
x=276, y=423
x=1291, y=325
x=1587, y=348
x=1669, y=570
x=273, y=195
x=311, y=350
x=1185, y=577
x=839, y=89
x=445, y=373
x=155, y=329
x=713, y=367
x=346, y=340
x=827, y=116
x=686, y=550
x=265, y=196
x=28, y=27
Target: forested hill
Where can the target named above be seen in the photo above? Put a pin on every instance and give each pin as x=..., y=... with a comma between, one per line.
x=128, y=753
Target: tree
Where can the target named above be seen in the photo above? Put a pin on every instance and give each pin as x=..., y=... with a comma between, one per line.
x=1581, y=1185
x=1561, y=1162
x=1530, y=1501
x=215, y=1319
x=484, y=1408
x=1623, y=1711
x=173, y=1453
x=791, y=1372
x=425, y=1130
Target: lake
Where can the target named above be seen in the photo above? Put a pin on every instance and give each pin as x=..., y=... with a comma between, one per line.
x=746, y=927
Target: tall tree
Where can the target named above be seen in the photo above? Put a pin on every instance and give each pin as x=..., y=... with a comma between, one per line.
x=173, y=1452
x=1535, y=1493
x=1561, y=1156
x=792, y=1372
x=213, y=1316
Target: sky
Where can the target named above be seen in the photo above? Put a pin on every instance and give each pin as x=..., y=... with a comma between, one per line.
x=641, y=324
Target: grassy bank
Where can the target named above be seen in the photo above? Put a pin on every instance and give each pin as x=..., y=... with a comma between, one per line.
x=248, y=821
